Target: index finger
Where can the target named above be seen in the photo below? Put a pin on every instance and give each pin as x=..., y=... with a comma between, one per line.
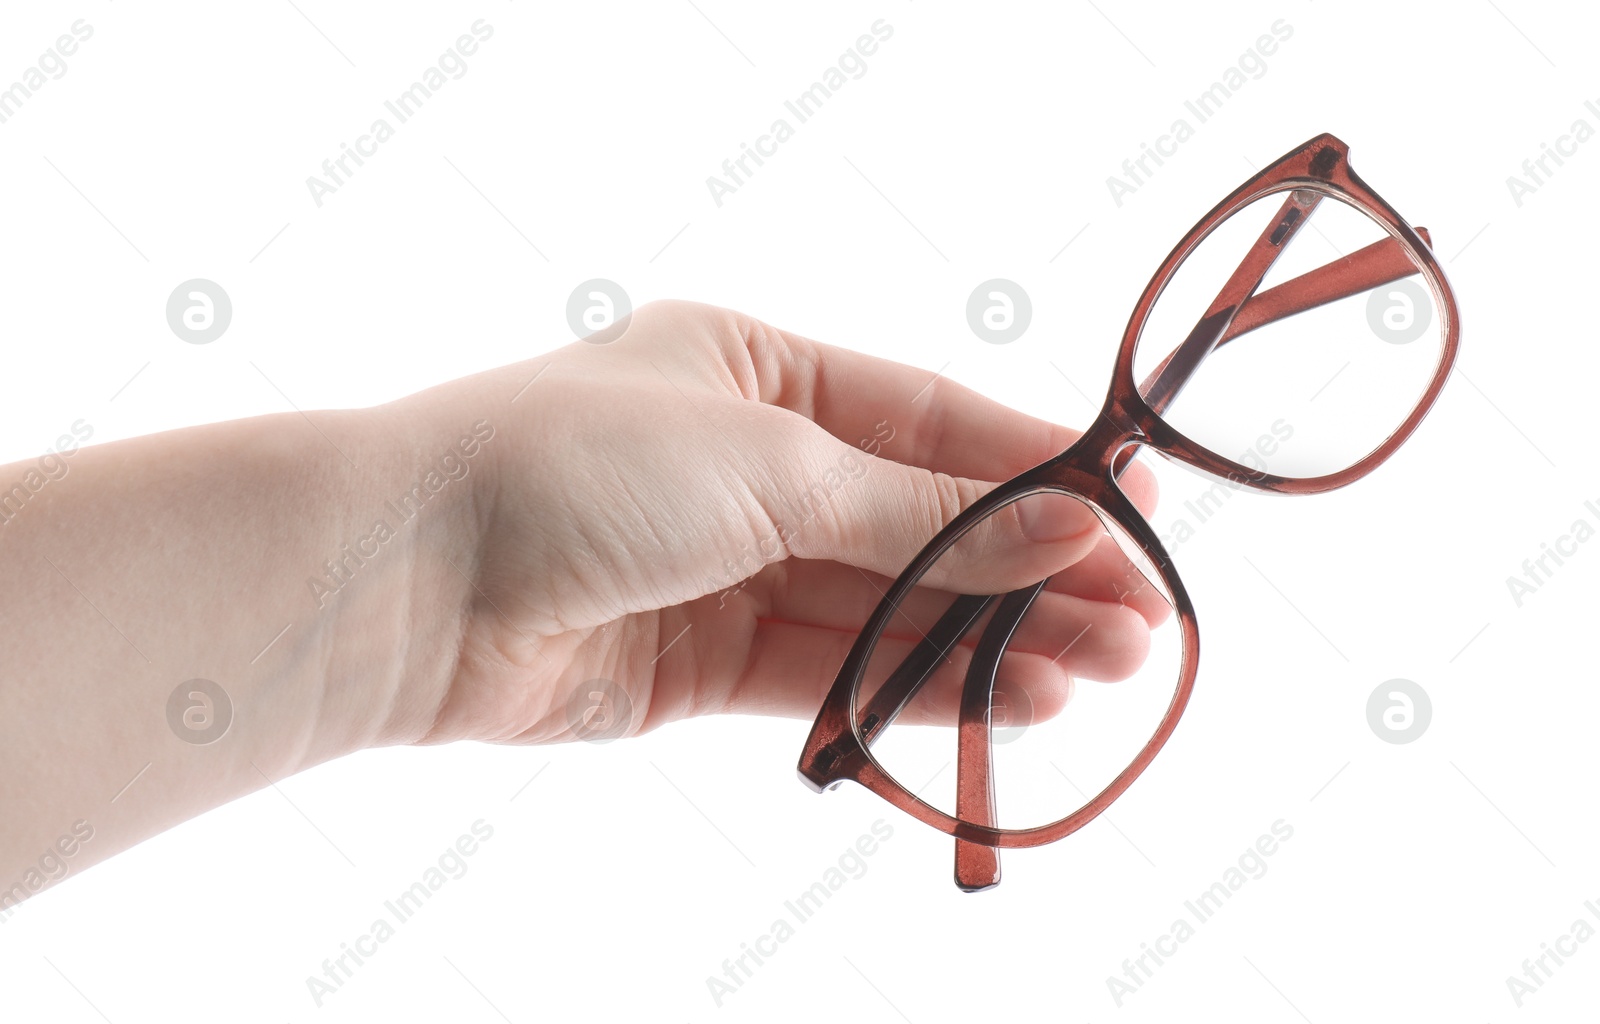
x=909, y=414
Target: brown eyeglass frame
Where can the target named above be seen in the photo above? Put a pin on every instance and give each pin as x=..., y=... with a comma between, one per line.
x=837, y=748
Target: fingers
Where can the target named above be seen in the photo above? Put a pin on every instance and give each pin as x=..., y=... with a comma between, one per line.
x=828, y=497
x=858, y=462
x=937, y=423
x=1022, y=680
x=778, y=650
x=1096, y=638
x=792, y=666
x=901, y=412
x=776, y=647
x=1106, y=574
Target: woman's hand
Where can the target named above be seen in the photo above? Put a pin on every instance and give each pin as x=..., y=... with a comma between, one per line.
x=700, y=511
x=697, y=510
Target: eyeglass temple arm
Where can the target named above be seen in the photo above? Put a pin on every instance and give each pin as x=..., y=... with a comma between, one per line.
x=1374, y=265
x=1235, y=311
x=934, y=647
x=1378, y=264
x=1182, y=362
x=978, y=866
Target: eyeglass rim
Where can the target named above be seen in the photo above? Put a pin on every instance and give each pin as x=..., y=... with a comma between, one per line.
x=1322, y=165
x=856, y=762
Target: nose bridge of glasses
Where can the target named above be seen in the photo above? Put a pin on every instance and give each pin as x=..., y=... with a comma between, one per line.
x=1105, y=447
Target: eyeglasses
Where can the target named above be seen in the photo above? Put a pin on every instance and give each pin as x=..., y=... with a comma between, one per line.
x=1351, y=337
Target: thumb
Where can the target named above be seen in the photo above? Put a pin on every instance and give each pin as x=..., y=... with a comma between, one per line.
x=876, y=514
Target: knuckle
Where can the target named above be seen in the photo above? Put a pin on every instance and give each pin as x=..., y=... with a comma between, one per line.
x=948, y=499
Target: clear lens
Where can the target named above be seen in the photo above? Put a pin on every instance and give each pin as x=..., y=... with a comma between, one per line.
x=1081, y=682
x=1308, y=393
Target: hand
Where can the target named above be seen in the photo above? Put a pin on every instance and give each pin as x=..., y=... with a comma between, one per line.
x=704, y=510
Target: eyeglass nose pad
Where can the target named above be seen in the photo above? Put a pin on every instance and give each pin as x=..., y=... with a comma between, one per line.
x=978, y=866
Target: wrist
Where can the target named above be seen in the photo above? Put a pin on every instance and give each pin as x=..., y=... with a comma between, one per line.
x=430, y=502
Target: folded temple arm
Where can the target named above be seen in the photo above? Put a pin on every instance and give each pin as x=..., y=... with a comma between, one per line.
x=1238, y=310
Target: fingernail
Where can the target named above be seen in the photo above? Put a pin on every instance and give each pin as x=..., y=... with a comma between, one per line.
x=1047, y=518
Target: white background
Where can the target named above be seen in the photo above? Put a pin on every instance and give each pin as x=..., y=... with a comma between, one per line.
x=1419, y=876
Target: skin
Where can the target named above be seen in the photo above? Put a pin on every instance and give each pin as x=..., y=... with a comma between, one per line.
x=638, y=497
